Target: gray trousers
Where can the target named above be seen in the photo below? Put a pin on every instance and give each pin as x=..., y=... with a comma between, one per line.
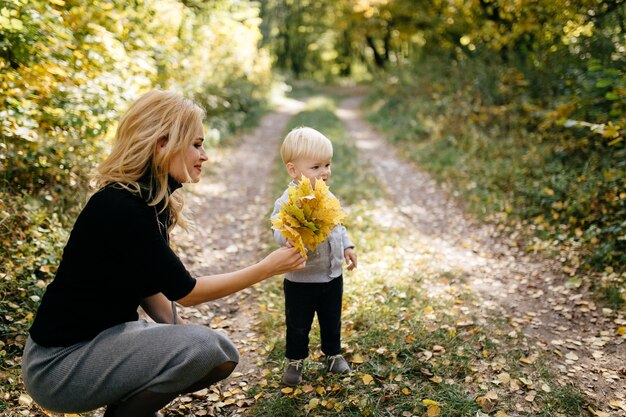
x=122, y=361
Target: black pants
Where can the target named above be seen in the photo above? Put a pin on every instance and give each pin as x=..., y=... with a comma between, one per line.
x=302, y=301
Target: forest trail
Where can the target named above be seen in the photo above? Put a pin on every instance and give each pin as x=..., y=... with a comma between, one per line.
x=230, y=206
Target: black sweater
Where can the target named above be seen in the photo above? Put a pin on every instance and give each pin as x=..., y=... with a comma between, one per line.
x=117, y=254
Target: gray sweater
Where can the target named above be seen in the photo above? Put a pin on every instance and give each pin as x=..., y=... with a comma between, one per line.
x=326, y=261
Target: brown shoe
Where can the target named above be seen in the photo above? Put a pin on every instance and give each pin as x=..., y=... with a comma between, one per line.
x=293, y=373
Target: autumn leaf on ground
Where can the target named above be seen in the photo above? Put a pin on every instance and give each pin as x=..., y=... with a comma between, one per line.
x=309, y=215
x=487, y=402
x=433, y=409
x=357, y=359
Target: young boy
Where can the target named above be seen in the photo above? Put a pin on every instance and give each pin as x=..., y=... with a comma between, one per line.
x=318, y=287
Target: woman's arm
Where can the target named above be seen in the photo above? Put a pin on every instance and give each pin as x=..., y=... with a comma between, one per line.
x=212, y=287
x=159, y=308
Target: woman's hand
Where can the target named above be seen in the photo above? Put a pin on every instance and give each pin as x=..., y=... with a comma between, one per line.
x=284, y=259
x=212, y=287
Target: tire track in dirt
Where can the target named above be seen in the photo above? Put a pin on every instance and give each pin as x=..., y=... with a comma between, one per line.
x=530, y=292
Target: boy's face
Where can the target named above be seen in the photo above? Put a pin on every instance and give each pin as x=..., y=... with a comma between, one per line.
x=311, y=168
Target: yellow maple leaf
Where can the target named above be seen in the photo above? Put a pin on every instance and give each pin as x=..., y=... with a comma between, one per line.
x=357, y=359
x=368, y=379
x=433, y=410
x=309, y=215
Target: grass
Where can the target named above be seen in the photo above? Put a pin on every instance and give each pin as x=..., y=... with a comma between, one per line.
x=412, y=330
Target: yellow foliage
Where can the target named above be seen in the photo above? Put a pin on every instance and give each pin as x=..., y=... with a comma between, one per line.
x=309, y=215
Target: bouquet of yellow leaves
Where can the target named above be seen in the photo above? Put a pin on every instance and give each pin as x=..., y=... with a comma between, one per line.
x=309, y=215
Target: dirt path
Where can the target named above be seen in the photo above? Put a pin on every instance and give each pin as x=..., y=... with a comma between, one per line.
x=230, y=206
x=530, y=293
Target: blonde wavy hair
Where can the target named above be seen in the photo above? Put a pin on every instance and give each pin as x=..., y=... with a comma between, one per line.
x=158, y=119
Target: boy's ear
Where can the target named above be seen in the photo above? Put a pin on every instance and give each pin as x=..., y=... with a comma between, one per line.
x=291, y=170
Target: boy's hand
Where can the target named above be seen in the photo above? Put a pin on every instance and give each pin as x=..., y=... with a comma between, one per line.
x=350, y=256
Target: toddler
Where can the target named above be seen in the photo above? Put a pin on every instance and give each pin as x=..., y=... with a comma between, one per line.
x=317, y=288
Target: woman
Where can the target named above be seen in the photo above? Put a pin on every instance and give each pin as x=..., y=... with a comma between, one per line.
x=86, y=347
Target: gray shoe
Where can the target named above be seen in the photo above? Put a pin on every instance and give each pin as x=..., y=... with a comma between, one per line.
x=293, y=373
x=337, y=364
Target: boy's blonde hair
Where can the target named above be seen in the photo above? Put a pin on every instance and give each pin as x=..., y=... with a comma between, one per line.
x=305, y=142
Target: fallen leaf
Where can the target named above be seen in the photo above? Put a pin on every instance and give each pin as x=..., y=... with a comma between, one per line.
x=200, y=394
x=488, y=401
x=25, y=400
x=286, y=390
x=618, y=404
x=504, y=378
x=436, y=379
x=492, y=395
x=599, y=413
x=429, y=402
x=433, y=410
x=357, y=359
x=526, y=382
x=368, y=379
x=529, y=360
x=621, y=330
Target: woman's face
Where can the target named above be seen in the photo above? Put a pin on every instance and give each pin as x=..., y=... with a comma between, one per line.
x=187, y=167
